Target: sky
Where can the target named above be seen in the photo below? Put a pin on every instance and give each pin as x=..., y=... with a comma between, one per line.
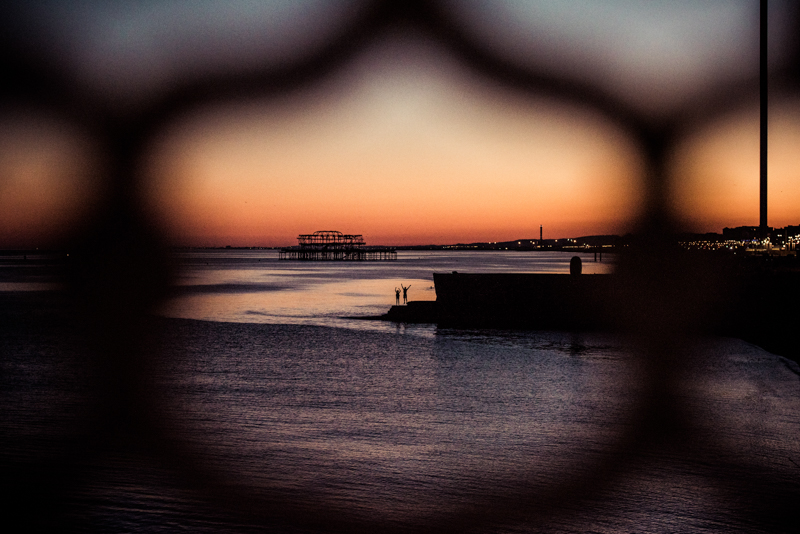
x=404, y=148
x=715, y=170
x=403, y=145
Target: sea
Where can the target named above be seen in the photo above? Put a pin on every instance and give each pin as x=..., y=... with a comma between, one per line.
x=277, y=401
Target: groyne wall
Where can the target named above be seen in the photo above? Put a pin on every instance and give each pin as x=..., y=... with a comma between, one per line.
x=762, y=308
x=515, y=300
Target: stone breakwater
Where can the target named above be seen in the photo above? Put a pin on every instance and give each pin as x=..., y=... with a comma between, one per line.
x=763, y=309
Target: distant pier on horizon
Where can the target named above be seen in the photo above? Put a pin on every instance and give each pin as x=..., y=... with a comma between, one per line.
x=332, y=245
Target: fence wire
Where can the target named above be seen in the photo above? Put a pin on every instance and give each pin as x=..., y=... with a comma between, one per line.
x=120, y=269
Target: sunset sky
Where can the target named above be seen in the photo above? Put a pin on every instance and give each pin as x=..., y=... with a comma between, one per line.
x=404, y=148
x=405, y=145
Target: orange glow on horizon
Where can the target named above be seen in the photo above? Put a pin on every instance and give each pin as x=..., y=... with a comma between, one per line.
x=404, y=148
x=716, y=171
x=46, y=180
x=415, y=154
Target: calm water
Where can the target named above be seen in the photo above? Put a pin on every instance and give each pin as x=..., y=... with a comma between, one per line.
x=255, y=287
x=263, y=381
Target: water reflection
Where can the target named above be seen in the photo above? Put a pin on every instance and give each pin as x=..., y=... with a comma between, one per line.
x=255, y=287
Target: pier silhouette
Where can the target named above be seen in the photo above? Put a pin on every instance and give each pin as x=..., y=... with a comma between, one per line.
x=331, y=245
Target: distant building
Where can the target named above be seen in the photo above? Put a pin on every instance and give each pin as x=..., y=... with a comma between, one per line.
x=743, y=233
x=792, y=231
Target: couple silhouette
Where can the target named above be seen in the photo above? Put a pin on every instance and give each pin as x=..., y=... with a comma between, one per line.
x=405, y=294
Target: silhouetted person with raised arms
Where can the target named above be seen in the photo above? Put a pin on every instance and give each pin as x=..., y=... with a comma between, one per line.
x=405, y=293
x=397, y=296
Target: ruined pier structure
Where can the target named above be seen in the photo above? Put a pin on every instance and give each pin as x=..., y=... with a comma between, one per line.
x=330, y=245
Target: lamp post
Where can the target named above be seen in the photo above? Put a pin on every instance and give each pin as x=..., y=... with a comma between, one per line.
x=763, y=71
